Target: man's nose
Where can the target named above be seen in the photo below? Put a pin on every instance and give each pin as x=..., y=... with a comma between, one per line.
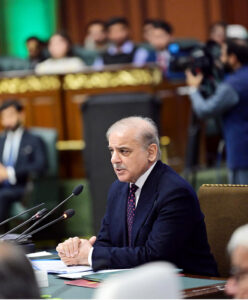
x=115, y=158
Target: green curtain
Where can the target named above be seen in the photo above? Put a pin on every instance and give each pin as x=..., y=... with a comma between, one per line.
x=20, y=19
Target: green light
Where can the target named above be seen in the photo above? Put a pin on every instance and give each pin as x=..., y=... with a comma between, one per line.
x=24, y=18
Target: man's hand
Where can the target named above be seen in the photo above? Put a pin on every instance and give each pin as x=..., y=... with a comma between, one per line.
x=193, y=80
x=3, y=173
x=75, y=251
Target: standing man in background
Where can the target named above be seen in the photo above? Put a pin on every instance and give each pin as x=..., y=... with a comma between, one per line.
x=21, y=155
x=230, y=101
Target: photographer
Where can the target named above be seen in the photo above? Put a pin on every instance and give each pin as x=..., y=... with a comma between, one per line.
x=230, y=100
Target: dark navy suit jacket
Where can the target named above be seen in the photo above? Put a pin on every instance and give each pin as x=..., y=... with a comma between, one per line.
x=168, y=226
x=31, y=159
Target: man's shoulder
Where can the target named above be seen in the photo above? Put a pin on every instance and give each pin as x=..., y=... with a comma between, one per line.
x=240, y=74
x=169, y=180
x=30, y=137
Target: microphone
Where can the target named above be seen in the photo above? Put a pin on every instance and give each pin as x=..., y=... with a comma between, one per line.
x=66, y=215
x=22, y=213
x=37, y=216
x=76, y=191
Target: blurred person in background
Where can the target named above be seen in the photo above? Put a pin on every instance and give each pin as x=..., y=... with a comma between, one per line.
x=230, y=101
x=217, y=32
x=121, y=49
x=237, y=284
x=17, y=279
x=35, y=49
x=96, y=38
x=147, y=30
x=62, y=59
x=22, y=155
x=160, y=38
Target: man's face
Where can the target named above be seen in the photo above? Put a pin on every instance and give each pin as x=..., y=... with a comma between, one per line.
x=11, y=118
x=128, y=157
x=218, y=34
x=118, y=34
x=228, y=60
x=159, y=39
x=33, y=47
x=147, y=32
x=237, y=285
x=97, y=33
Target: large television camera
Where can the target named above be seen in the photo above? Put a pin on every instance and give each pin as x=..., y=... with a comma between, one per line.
x=198, y=57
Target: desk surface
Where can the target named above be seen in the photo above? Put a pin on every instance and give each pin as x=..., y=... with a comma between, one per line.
x=194, y=287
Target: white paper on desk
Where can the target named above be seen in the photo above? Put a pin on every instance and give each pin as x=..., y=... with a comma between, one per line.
x=38, y=254
x=57, y=266
x=81, y=274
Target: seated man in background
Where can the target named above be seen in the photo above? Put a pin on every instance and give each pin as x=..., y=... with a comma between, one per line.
x=147, y=30
x=35, y=49
x=230, y=101
x=152, y=213
x=121, y=50
x=17, y=279
x=96, y=38
x=237, y=285
x=160, y=37
x=21, y=155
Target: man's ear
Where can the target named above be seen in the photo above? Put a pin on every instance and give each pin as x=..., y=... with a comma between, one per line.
x=152, y=152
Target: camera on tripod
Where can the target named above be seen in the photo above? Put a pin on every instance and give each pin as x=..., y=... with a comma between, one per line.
x=199, y=58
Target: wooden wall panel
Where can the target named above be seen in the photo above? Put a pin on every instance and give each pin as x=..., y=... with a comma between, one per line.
x=184, y=15
x=190, y=18
x=236, y=12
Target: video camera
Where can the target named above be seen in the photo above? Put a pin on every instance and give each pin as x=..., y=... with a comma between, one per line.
x=198, y=57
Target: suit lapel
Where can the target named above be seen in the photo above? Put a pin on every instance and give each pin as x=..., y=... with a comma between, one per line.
x=22, y=142
x=146, y=201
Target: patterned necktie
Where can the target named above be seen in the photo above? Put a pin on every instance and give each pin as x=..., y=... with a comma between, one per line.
x=131, y=210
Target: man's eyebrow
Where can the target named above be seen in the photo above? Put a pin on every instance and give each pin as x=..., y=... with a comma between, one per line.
x=120, y=147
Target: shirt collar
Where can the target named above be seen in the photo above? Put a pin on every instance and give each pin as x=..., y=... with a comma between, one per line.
x=142, y=179
x=17, y=132
x=126, y=48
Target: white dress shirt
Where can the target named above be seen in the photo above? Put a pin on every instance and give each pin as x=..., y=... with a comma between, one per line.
x=13, y=139
x=139, y=183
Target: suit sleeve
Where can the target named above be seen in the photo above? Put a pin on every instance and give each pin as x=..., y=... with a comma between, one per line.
x=175, y=221
x=224, y=98
x=37, y=161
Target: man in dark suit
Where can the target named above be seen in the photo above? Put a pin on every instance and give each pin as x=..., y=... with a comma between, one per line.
x=152, y=213
x=21, y=155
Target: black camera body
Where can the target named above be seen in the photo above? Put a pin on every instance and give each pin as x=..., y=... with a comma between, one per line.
x=199, y=58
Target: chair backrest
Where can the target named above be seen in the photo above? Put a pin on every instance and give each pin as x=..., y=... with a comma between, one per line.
x=225, y=208
x=150, y=281
x=49, y=136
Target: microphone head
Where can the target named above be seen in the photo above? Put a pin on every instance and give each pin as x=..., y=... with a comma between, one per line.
x=69, y=213
x=40, y=214
x=77, y=190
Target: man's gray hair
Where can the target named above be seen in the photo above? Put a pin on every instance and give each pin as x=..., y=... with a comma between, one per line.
x=238, y=238
x=147, y=132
